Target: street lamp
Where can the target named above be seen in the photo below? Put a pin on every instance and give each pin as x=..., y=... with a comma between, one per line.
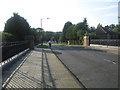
x=41, y=20
x=41, y=28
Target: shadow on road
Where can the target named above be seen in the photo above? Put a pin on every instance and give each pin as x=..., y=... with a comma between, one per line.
x=46, y=51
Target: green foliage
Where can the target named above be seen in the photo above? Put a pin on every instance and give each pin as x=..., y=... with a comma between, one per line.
x=8, y=37
x=40, y=35
x=99, y=26
x=65, y=28
x=57, y=36
x=52, y=38
x=80, y=35
x=112, y=26
x=89, y=34
x=0, y=36
x=42, y=46
x=74, y=33
x=48, y=35
x=117, y=29
x=59, y=44
x=17, y=26
x=71, y=33
x=92, y=29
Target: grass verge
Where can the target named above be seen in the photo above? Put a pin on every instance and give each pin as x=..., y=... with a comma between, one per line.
x=73, y=45
x=42, y=46
x=59, y=44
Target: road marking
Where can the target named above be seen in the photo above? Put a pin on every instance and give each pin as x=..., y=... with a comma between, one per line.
x=113, y=62
x=109, y=61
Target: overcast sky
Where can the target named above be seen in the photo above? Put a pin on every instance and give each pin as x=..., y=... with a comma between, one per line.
x=60, y=11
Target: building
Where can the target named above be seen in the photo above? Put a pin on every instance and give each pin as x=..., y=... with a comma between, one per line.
x=105, y=33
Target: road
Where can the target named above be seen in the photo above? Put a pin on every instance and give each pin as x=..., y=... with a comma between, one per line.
x=94, y=68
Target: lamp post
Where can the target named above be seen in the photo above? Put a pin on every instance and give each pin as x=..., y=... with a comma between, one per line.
x=41, y=28
x=41, y=21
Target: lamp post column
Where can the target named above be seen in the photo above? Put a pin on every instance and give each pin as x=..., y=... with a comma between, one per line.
x=41, y=28
x=41, y=22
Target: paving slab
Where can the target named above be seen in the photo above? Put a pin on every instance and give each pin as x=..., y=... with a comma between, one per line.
x=61, y=76
x=40, y=69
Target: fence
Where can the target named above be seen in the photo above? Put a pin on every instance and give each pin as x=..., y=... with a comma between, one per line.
x=108, y=42
x=10, y=49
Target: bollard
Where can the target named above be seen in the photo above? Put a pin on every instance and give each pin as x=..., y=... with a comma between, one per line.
x=86, y=41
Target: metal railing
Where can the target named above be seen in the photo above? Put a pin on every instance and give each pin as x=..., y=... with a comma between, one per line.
x=10, y=49
x=108, y=42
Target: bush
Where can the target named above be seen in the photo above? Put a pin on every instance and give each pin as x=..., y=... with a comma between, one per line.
x=8, y=37
x=17, y=26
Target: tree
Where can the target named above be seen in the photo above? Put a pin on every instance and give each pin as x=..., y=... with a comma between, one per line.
x=80, y=35
x=8, y=37
x=75, y=32
x=92, y=29
x=57, y=36
x=85, y=24
x=66, y=26
x=117, y=29
x=71, y=33
x=82, y=25
x=34, y=32
x=112, y=26
x=99, y=26
x=17, y=26
x=81, y=28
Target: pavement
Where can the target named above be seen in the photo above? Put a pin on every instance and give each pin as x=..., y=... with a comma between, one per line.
x=40, y=68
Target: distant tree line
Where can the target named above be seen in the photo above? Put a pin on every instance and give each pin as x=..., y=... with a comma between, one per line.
x=17, y=28
x=43, y=36
x=75, y=32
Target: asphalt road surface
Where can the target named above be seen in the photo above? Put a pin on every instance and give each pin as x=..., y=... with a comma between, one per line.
x=94, y=68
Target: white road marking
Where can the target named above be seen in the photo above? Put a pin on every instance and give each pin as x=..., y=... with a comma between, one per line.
x=109, y=61
x=113, y=62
